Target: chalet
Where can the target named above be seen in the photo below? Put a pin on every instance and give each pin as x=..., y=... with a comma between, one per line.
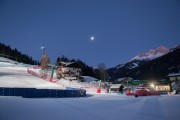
x=69, y=70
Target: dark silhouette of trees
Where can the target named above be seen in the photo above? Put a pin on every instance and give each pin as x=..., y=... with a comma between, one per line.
x=13, y=54
x=101, y=72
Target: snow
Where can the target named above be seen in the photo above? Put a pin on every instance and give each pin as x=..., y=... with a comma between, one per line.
x=174, y=74
x=67, y=63
x=133, y=66
x=92, y=107
x=4, y=62
x=115, y=85
x=89, y=79
x=90, y=84
x=97, y=106
x=120, y=66
x=148, y=57
x=15, y=76
x=2, y=59
x=152, y=54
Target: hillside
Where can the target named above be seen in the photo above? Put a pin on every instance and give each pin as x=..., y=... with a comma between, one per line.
x=159, y=67
x=14, y=54
x=156, y=68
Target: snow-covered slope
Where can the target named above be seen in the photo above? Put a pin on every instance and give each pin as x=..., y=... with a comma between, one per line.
x=89, y=79
x=14, y=74
x=2, y=59
x=121, y=70
x=143, y=57
x=152, y=54
x=8, y=62
x=18, y=77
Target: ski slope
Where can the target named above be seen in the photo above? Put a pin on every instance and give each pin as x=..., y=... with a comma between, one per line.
x=15, y=75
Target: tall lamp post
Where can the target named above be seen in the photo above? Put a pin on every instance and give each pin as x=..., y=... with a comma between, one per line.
x=127, y=85
x=43, y=50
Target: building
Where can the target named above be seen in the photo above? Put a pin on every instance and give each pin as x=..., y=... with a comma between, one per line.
x=69, y=70
x=115, y=88
x=174, y=78
x=162, y=88
x=157, y=85
x=124, y=80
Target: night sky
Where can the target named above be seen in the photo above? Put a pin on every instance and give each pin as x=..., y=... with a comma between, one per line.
x=121, y=28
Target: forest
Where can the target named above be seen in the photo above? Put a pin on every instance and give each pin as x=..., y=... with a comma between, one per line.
x=13, y=54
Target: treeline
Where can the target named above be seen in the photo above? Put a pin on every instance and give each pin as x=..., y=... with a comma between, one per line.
x=13, y=54
x=98, y=73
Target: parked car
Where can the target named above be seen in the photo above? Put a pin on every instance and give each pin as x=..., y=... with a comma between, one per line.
x=142, y=92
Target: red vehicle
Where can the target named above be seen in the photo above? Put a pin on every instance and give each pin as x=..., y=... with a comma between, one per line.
x=142, y=92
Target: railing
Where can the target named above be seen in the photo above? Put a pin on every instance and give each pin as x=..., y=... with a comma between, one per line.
x=89, y=87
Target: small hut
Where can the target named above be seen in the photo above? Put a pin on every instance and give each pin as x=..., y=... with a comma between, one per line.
x=115, y=88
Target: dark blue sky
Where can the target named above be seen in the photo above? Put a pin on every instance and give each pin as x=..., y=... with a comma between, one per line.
x=122, y=28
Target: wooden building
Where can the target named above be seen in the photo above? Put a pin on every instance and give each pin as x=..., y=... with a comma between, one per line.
x=69, y=70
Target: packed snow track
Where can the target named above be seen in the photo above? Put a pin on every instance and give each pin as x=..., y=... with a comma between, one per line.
x=14, y=76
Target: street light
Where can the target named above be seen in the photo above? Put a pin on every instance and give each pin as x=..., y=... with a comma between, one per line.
x=152, y=85
x=127, y=84
x=43, y=49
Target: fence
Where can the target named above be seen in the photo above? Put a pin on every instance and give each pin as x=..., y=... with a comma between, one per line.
x=41, y=93
x=89, y=87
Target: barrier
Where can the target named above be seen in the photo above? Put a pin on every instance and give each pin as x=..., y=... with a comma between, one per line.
x=89, y=87
x=41, y=93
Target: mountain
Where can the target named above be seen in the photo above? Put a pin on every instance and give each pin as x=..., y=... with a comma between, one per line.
x=152, y=54
x=156, y=59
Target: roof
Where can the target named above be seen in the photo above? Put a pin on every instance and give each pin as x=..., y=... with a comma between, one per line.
x=173, y=74
x=89, y=79
x=67, y=63
x=115, y=85
x=71, y=64
x=125, y=79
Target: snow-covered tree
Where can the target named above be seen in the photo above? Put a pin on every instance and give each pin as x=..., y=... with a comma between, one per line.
x=45, y=61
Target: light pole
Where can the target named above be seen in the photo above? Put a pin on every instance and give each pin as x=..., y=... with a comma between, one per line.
x=127, y=85
x=43, y=49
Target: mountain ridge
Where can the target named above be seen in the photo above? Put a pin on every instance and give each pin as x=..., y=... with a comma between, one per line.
x=127, y=69
x=152, y=54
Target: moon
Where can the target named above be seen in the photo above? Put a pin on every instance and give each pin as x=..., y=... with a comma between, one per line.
x=92, y=38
